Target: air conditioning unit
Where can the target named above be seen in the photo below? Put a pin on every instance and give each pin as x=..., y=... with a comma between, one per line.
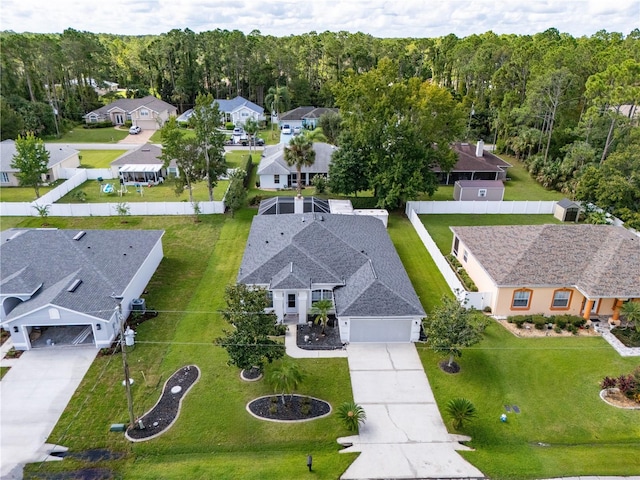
x=138, y=305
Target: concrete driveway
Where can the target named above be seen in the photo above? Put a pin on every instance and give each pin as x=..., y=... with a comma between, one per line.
x=138, y=139
x=404, y=436
x=33, y=395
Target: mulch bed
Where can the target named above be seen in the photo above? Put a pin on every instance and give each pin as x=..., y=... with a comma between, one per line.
x=251, y=375
x=453, y=368
x=316, y=340
x=293, y=410
x=164, y=413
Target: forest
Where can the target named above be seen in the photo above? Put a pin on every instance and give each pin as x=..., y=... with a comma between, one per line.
x=566, y=107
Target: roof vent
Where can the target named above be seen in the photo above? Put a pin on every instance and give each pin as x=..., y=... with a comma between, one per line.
x=373, y=269
x=79, y=235
x=74, y=286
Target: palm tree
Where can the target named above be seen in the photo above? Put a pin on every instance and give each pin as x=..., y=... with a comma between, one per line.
x=631, y=311
x=277, y=100
x=352, y=415
x=286, y=378
x=461, y=411
x=321, y=310
x=300, y=153
x=251, y=127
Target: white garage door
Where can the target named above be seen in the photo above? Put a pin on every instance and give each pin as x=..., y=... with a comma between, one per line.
x=147, y=124
x=375, y=330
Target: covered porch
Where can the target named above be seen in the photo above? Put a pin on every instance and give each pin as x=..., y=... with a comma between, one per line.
x=153, y=174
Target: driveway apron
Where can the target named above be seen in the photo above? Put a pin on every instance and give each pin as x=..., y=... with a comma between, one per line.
x=404, y=436
x=33, y=395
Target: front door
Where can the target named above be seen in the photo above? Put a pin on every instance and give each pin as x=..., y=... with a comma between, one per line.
x=291, y=303
x=594, y=309
x=119, y=119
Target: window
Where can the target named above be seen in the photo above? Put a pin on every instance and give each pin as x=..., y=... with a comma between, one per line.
x=465, y=255
x=561, y=299
x=291, y=300
x=4, y=177
x=482, y=192
x=54, y=314
x=321, y=295
x=144, y=112
x=276, y=179
x=269, y=299
x=521, y=299
x=245, y=114
x=456, y=244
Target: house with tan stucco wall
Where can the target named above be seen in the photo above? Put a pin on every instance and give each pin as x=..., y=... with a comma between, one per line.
x=586, y=270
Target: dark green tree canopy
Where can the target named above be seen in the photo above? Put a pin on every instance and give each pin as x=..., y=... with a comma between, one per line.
x=32, y=160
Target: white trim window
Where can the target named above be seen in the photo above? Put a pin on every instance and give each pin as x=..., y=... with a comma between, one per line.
x=317, y=295
x=144, y=112
x=276, y=179
x=269, y=299
x=4, y=177
x=482, y=192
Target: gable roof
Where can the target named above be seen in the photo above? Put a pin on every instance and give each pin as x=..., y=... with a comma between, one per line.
x=480, y=183
x=48, y=261
x=301, y=113
x=353, y=253
x=566, y=203
x=228, y=106
x=469, y=162
x=147, y=154
x=57, y=154
x=272, y=161
x=599, y=260
x=128, y=105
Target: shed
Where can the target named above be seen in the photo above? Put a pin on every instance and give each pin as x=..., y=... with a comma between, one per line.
x=482, y=190
x=566, y=210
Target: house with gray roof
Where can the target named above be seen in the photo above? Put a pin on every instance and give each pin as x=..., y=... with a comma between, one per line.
x=588, y=270
x=236, y=110
x=61, y=157
x=65, y=286
x=273, y=171
x=304, y=117
x=303, y=258
x=148, y=113
x=473, y=163
x=143, y=165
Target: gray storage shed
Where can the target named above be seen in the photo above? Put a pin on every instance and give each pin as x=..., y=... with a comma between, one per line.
x=478, y=190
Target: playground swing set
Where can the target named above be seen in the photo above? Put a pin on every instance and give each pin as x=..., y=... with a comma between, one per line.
x=109, y=189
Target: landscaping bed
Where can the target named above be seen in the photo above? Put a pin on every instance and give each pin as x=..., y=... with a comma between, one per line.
x=310, y=336
x=628, y=336
x=295, y=408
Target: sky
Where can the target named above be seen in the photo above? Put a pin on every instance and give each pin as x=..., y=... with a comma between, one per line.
x=380, y=18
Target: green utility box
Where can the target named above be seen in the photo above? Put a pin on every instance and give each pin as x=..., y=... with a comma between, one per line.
x=118, y=427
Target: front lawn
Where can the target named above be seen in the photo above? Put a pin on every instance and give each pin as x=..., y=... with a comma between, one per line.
x=164, y=192
x=563, y=428
x=438, y=225
x=214, y=437
x=91, y=135
x=99, y=158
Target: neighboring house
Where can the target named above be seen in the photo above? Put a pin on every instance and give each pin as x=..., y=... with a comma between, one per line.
x=237, y=111
x=349, y=259
x=566, y=211
x=148, y=113
x=58, y=281
x=273, y=171
x=482, y=190
x=60, y=158
x=474, y=163
x=586, y=270
x=304, y=117
x=143, y=165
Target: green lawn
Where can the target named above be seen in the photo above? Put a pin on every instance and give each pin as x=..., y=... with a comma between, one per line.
x=214, y=437
x=21, y=194
x=160, y=193
x=3, y=371
x=564, y=428
x=91, y=135
x=523, y=187
x=99, y=158
x=438, y=225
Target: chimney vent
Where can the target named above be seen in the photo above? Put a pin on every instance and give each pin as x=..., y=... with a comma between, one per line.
x=480, y=148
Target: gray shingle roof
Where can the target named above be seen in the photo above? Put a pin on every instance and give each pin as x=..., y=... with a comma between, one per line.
x=148, y=154
x=130, y=104
x=468, y=162
x=599, y=260
x=306, y=112
x=229, y=106
x=273, y=163
x=57, y=154
x=105, y=261
x=353, y=253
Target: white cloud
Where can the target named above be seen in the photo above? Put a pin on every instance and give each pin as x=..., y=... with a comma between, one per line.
x=381, y=18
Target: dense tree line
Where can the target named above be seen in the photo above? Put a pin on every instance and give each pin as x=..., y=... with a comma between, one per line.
x=556, y=102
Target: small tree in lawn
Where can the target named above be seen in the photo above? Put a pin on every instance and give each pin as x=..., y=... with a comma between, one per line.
x=631, y=311
x=352, y=415
x=452, y=327
x=321, y=310
x=299, y=153
x=251, y=127
x=123, y=210
x=32, y=160
x=236, y=196
x=461, y=412
x=43, y=211
x=197, y=210
x=249, y=344
x=286, y=378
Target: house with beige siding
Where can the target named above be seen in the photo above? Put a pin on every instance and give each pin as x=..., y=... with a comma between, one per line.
x=61, y=157
x=587, y=270
x=148, y=113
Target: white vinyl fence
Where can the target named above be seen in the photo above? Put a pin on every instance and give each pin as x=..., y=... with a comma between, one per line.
x=481, y=207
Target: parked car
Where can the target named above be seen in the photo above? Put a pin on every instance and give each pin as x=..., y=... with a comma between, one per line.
x=255, y=141
x=286, y=129
x=134, y=130
x=238, y=131
x=297, y=130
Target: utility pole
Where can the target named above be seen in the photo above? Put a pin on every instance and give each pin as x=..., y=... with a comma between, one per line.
x=125, y=365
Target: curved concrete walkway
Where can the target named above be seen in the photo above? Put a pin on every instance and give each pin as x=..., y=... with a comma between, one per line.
x=404, y=436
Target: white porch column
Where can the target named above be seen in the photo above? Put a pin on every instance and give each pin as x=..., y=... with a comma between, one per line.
x=303, y=301
x=298, y=205
x=278, y=304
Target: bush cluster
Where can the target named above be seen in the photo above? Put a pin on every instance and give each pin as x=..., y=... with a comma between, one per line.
x=570, y=323
x=628, y=384
x=105, y=124
x=462, y=274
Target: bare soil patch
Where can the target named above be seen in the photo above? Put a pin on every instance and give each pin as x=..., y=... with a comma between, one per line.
x=618, y=399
